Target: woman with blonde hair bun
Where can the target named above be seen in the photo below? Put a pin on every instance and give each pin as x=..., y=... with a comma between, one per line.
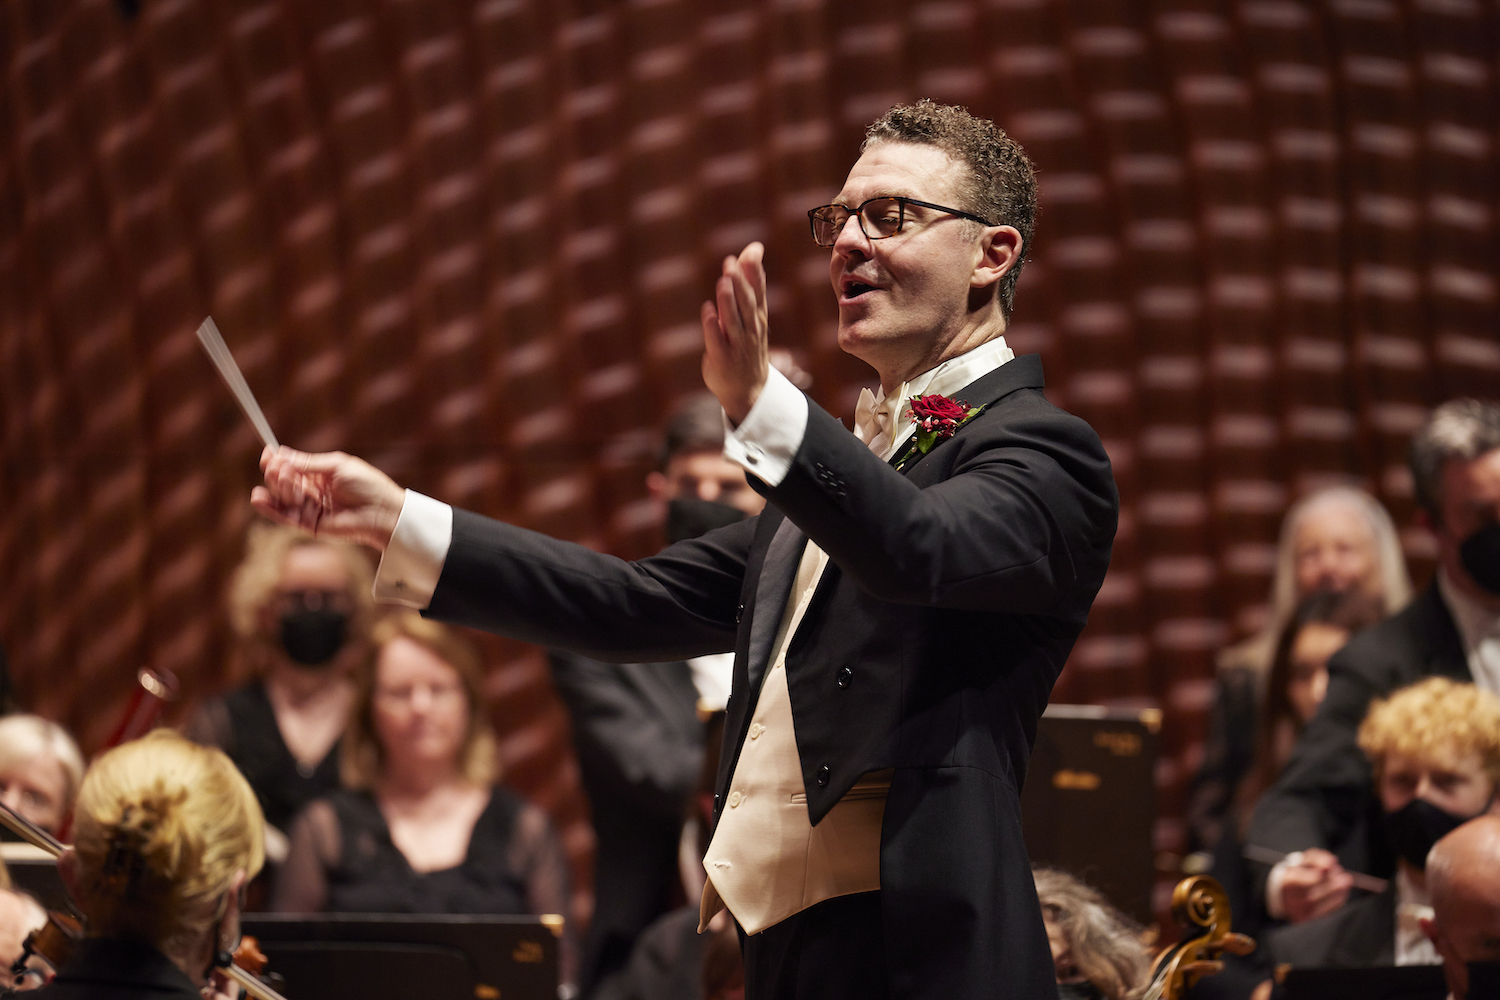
x=166, y=834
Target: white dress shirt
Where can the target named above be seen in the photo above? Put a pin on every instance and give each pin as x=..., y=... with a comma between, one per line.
x=1412, y=906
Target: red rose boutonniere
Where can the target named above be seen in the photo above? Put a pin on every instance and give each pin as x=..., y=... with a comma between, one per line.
x=937, y=419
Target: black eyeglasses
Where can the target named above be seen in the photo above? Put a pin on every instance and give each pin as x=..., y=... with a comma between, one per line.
x=879, y=218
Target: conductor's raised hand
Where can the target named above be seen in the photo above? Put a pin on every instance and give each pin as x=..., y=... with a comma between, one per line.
x=330, y=494
x=735, y=347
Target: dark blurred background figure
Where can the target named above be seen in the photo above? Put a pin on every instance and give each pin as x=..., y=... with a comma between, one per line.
x=40, y=770
x=637, y=727
x=670, y=960
x=302, y=610
x=1098, y=952
x=6, y=705
x=1325, y=798
x=420, y=824
x=168, y=832
x=1434, y=749
x=1463, y=879
x=1337, y=540
x=1319, y=626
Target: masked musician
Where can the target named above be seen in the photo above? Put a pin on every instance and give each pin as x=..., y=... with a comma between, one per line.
x=1434, y=748
x=166, y=833
x=302, y=609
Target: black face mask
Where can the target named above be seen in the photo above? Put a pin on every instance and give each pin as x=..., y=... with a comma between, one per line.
x=690, y=517
x=1480, y=554
x=1078, y=991
x=313, y=637
x=1415, y=827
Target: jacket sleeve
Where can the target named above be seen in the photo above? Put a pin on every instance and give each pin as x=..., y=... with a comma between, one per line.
x=680, y=603
x=1023, y=524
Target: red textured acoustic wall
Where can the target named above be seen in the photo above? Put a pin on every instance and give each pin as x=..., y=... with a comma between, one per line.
x=467, y=240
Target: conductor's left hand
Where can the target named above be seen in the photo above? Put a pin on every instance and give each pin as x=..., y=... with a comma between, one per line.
x=330, y=494
x=735, y=350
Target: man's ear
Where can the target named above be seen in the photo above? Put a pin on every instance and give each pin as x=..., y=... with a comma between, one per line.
x=657, y=486
x=1000, y=250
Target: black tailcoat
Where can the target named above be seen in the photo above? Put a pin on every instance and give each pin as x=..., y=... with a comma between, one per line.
x=954, y=591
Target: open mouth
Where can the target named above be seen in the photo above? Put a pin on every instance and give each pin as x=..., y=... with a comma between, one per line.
x=853, y=288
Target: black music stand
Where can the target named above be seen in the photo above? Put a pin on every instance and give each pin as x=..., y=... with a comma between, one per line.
x=1405, y=982
x=1089, y=803
x=354, y=956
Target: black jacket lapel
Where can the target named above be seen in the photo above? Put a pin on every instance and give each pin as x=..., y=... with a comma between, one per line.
x=1445, y=647
x=1024, y=372
x=771, y=590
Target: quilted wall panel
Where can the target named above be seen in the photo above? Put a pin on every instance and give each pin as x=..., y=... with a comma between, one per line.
x=467, y=240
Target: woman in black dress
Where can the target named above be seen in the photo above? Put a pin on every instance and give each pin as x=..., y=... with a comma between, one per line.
x=302, y=610
x=166, y=834
x=420, y=825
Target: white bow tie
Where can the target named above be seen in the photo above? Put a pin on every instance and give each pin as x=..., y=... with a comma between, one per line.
x=874, y=420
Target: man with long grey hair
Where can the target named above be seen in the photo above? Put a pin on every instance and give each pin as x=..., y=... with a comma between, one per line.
x=1322, y=811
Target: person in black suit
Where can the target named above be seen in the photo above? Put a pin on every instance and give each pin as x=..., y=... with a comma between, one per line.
x=636, y=726
x=640, y=746
x=908, y=597
x=1322, y=808
x=1434, y=748
x=166, y=834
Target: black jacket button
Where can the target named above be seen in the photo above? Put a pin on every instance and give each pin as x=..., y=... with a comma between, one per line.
x=739, y=613
x=716, y=800
x=845, y=676
x=824, y=773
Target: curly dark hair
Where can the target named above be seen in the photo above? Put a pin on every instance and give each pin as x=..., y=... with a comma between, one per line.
x=1001, y=185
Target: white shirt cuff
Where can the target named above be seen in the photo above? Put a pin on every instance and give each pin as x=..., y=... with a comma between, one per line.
x=413, y=560
x=767, y=439
x=1276, y=881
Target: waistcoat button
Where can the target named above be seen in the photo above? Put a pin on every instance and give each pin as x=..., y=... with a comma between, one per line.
x=845, y=676
x=824, y=773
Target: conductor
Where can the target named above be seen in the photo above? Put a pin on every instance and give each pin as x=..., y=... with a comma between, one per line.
x=898, y=613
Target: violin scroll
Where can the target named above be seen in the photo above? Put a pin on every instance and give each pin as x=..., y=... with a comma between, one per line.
x=1198, y=904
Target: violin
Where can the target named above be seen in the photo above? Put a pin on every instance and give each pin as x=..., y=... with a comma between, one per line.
x=1198, y=903
x=54, y=941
